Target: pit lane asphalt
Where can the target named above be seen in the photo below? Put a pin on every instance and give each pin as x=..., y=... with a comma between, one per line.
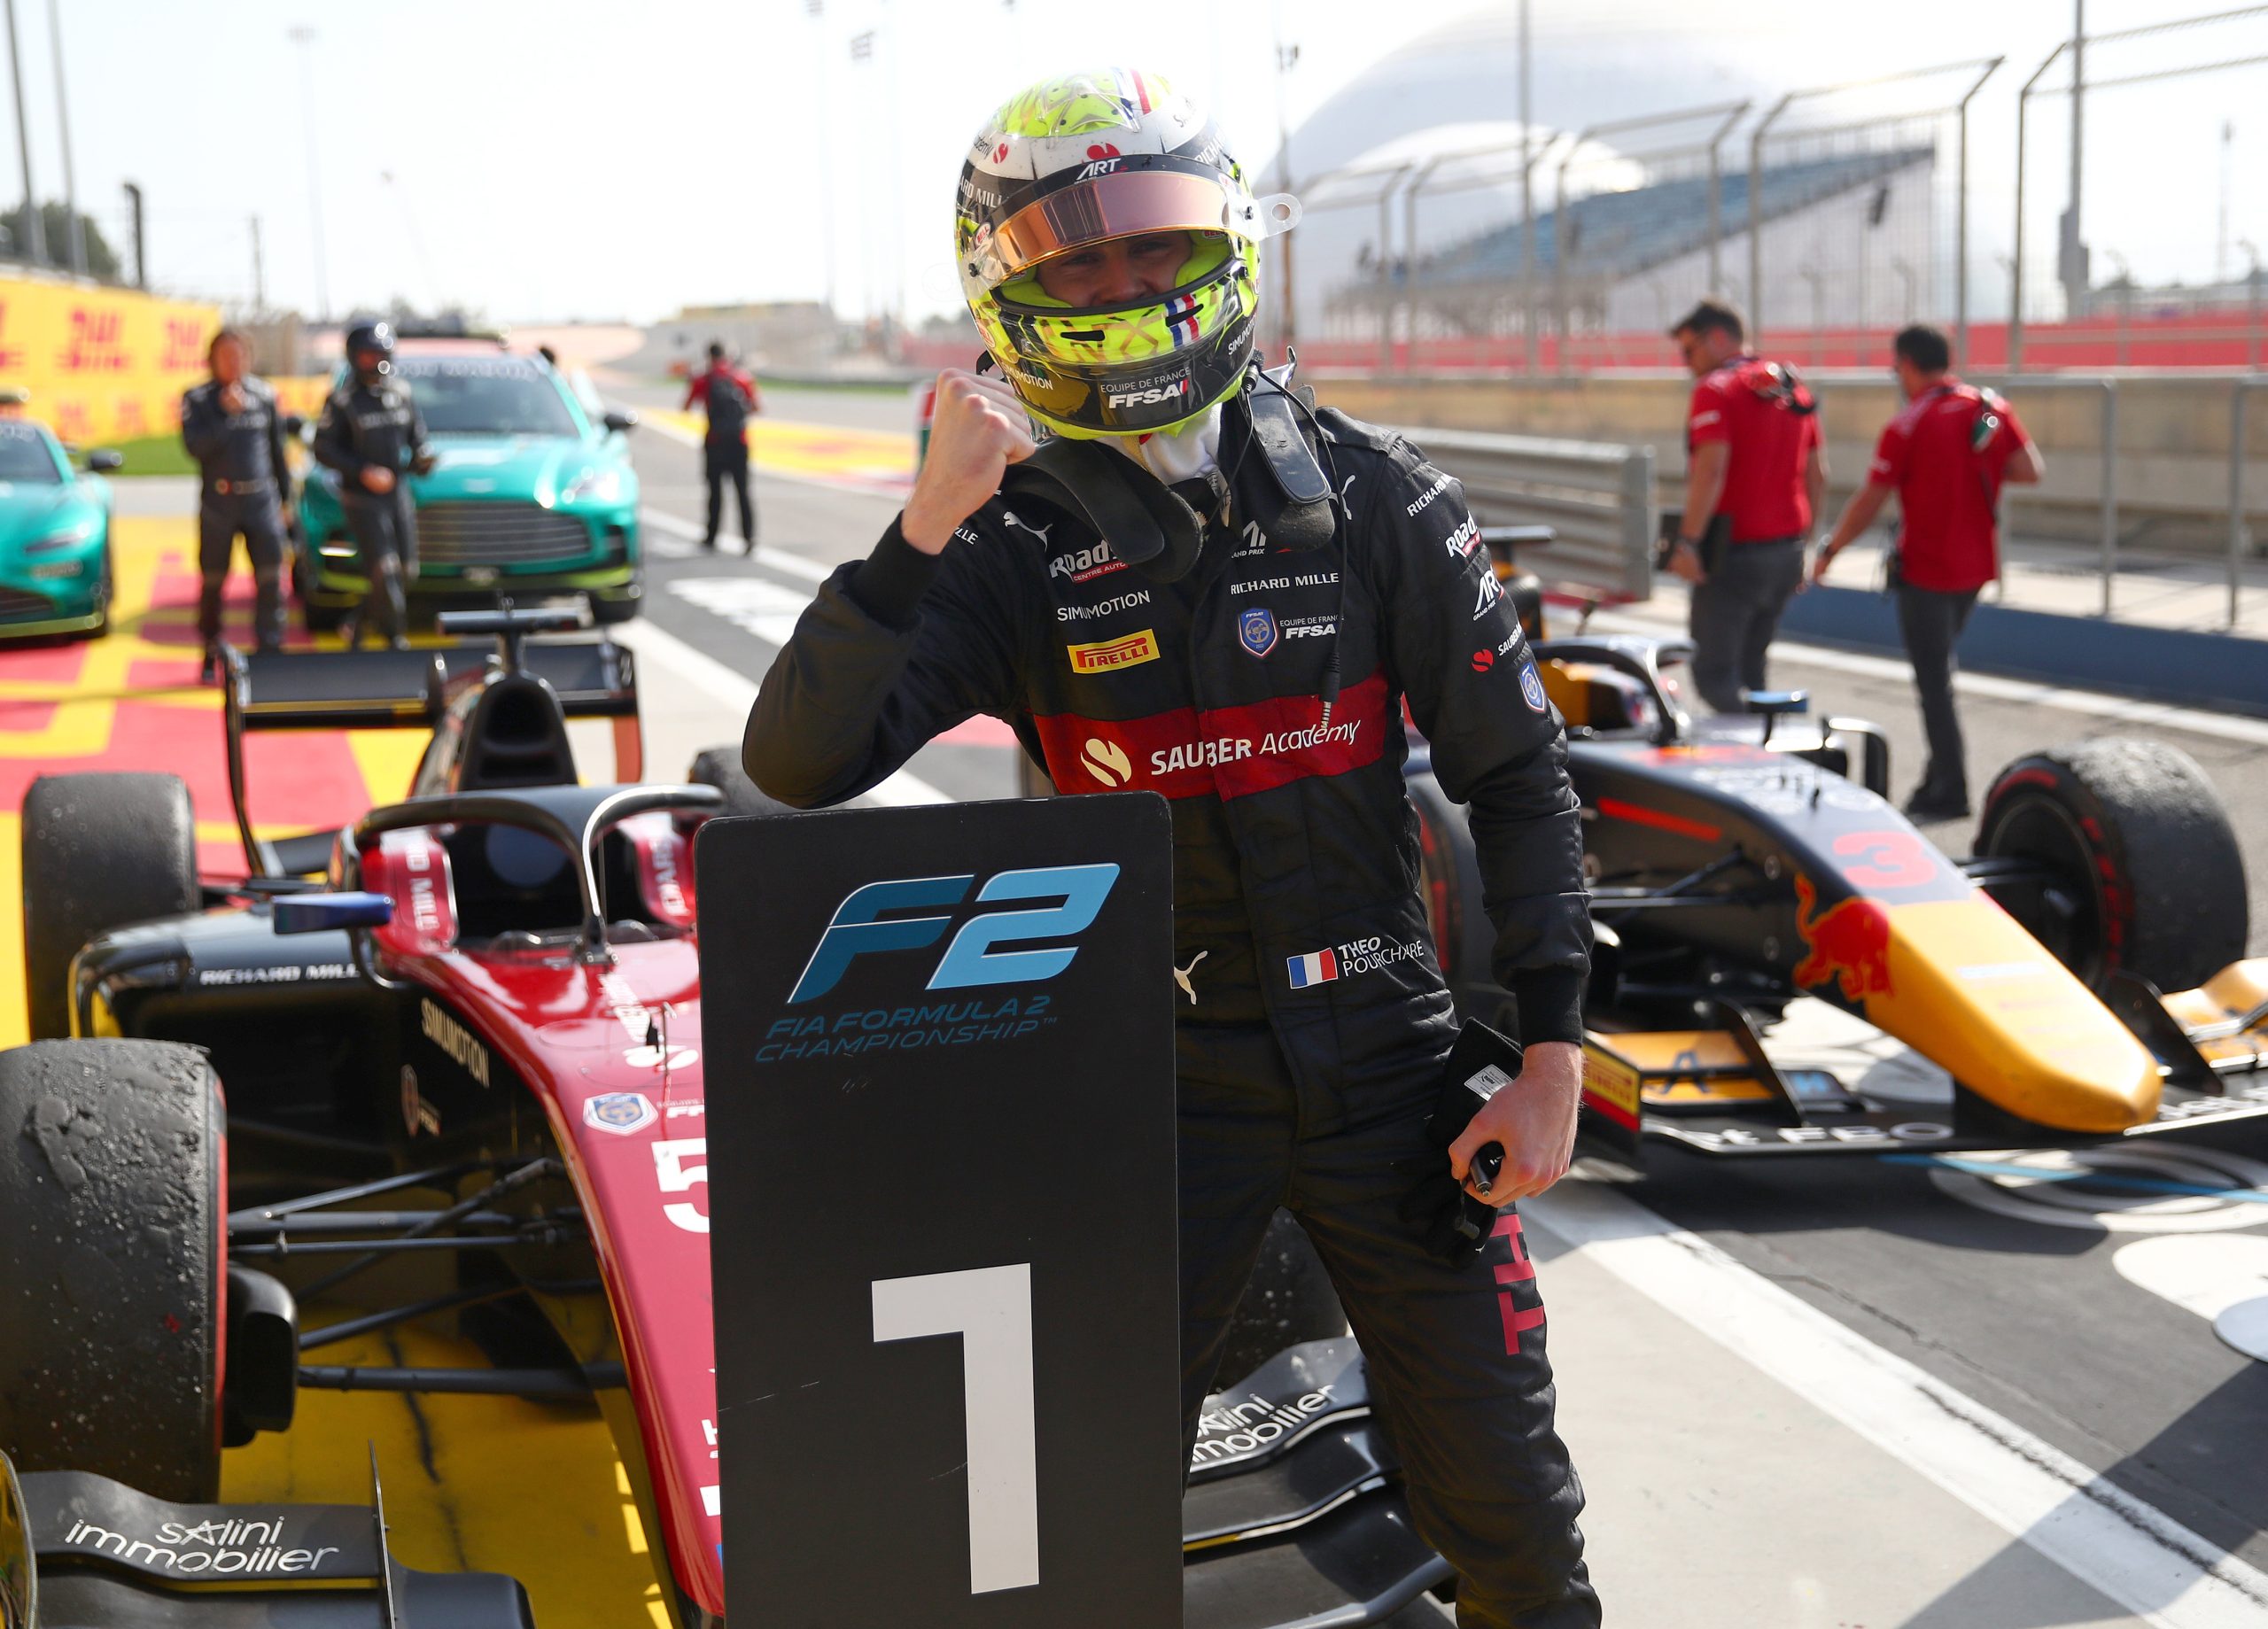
x=1697, y=1472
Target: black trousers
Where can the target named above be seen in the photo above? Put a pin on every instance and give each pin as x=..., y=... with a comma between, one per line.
x=386, y=533
x=221, y=517
x=721, y=461
x=1931, y=624
x=1736, y=613
x=1457, y=1370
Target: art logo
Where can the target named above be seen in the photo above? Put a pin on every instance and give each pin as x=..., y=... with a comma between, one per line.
x=620, y=1113
x=1256, y=629
x=1846, y=944
x=866, y=924
x=1108, y=656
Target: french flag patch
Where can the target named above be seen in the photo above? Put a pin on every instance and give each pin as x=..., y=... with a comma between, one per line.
x=1318, y=967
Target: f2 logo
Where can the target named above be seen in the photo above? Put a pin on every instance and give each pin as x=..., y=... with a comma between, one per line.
x=859, y=927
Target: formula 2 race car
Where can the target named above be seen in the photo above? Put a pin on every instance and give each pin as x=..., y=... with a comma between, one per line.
x=466, y=1055
x=1784, y=964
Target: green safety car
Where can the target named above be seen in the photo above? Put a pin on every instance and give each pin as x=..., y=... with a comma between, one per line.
x=532, y=495
x=55, y=566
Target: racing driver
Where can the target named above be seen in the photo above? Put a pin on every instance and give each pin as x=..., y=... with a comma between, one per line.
x=1255, y=673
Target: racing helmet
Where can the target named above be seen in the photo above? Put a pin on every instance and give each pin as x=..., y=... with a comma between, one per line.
x=1080, y=160
x=365, y=337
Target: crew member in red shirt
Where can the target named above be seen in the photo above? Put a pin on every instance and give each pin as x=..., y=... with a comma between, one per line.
x=1945, y=456
x=727, y=396
x=1756, y=474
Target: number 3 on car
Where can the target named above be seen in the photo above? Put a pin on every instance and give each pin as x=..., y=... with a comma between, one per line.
x=677, y=1177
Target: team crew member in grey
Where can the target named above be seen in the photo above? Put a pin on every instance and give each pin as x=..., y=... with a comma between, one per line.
x=1252, y=669
x=230, y=426
x=372, y=434
x=1756, y=476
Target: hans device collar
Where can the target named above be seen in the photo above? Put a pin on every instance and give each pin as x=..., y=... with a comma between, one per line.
x=1153, y=527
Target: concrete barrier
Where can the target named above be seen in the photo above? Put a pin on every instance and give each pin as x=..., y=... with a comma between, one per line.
x=2161, y=664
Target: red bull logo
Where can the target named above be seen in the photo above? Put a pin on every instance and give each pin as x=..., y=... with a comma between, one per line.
x=1847, y=943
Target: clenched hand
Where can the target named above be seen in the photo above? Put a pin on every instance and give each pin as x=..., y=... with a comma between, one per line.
x=979, y=428
x=1533, y=1118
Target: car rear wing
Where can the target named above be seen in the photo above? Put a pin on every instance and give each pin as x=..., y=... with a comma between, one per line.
x=410, y=689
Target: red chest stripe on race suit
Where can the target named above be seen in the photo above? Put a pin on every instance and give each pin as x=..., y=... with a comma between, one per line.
x=1225, y=752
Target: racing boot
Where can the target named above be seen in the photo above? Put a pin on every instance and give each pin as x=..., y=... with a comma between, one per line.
x=209, y=671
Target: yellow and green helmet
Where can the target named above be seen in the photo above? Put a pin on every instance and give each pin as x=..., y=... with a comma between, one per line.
x=1081, y=159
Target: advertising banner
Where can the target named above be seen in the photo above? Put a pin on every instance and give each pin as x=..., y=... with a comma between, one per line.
x=101, y=365
x=940, y=1095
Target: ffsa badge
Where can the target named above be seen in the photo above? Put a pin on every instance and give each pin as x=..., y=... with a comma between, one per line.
x=1532, y=687
x=620, y=1113
x=1256, y=629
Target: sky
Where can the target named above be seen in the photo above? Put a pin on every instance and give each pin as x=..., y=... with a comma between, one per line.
x=586, y=160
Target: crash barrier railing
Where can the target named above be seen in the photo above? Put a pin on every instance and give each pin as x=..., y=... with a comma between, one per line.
x=2106, y=389
x=1597, y=497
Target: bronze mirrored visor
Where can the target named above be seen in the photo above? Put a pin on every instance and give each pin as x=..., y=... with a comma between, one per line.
x=1126, y=204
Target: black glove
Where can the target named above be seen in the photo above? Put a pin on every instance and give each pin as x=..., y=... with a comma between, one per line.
x=1453, y=1224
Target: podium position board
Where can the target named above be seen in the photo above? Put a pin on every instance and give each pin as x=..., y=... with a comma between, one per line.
x=943, y=1223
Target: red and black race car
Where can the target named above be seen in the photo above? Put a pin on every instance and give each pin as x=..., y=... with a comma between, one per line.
x=1785, y=965
x=463, y=1063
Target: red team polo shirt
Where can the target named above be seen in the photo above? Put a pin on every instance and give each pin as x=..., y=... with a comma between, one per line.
x=1947, y=490
x=1763, y=475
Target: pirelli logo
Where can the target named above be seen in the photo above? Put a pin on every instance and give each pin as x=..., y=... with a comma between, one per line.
x=1108, y=656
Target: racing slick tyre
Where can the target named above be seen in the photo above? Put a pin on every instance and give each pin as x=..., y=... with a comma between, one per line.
x=2154, y=881
x=720, y=767
x=610, y=613
x=112, y=1202
x=1290, y=1300
x=100, y=851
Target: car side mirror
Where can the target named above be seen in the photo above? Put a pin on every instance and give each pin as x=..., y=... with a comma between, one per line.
x=315, y=913
x=102, y=460
x=618, y=421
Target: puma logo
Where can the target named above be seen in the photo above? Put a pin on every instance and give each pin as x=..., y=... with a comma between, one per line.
x=1106, y=762
x=1181, y=976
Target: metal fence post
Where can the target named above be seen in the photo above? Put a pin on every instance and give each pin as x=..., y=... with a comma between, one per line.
x=1640, y=521
x=2243, y=388
x=1961, y=221
x=2109, y=488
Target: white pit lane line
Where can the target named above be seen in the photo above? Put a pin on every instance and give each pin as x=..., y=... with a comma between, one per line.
x=2131, y=1552
x=2094, y=704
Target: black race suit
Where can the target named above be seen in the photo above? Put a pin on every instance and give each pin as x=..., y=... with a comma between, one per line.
x=376, y=425
x=244, y=484
x=1310, y=1051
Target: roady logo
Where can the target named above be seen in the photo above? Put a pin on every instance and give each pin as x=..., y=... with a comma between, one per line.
x=1085, y=565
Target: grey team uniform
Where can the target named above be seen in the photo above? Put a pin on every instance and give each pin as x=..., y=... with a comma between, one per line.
x=377, y=424
x=243, y=484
